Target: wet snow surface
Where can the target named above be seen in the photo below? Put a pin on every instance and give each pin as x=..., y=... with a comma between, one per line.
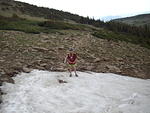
x=41, y=92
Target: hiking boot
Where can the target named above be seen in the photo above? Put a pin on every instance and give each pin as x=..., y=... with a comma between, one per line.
x=70, y=75
x=76, y=75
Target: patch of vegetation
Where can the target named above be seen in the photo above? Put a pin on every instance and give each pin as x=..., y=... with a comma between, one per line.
x=115, y=36
x=61, y=25
x=18, y=24
x=29, y=26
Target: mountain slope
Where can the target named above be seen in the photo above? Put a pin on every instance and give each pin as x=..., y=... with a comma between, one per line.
x=42, y=41
x=10, y=7
x=46, y=51
x=139, y=20
x=55, y=92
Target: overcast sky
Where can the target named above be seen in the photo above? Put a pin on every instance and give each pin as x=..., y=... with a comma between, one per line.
x=96, y=8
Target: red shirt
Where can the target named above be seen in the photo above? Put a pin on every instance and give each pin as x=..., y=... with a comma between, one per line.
x=71, y=58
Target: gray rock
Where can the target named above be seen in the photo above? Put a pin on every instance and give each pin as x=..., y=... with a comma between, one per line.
x=105, y=59
x=61, y=48
x=2, y=60
x=113, y=68
x=40, y=67
x=45, y=37
x=119, y=59
x=62, y=81
x=97, y=60
x=40, y=49
x=43, y=64
x=2, y=72
x=90, y=68
x=27, y=70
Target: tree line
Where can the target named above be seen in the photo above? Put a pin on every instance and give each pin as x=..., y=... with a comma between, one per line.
x=141, y=31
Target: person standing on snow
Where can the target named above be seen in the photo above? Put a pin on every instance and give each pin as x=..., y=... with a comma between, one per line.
x=71, y=61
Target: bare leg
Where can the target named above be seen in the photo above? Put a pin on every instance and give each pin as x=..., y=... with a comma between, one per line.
x=69, y=69
x=75, y=71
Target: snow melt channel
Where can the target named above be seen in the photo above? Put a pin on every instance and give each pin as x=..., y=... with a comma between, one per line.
x=42, y=92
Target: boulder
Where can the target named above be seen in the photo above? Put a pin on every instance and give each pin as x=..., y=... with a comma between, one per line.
x=113, y=68
x=97, y=60
x=27, y=70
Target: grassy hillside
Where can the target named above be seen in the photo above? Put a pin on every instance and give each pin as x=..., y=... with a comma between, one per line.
x=10, y=7
x=29, y=26
x=115, y=36
x=139, y=20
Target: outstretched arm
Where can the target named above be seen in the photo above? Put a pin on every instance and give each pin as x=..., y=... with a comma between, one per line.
x=65, y=61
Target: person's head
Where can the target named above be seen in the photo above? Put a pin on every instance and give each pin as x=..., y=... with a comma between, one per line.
x=71, y=50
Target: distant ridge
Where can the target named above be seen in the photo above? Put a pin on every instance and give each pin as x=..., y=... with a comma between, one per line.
x=138, y=20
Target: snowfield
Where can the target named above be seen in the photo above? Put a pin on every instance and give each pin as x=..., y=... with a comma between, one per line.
x=42, y=92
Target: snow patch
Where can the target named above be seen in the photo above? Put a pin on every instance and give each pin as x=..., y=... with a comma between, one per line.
x=41, y=92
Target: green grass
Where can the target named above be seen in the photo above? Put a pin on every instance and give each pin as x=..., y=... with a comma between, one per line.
x=30, y=26
x=115, y=36
x=21, y=25
x=51, y=24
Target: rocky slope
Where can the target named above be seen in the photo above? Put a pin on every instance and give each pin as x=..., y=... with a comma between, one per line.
x=22, y=52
